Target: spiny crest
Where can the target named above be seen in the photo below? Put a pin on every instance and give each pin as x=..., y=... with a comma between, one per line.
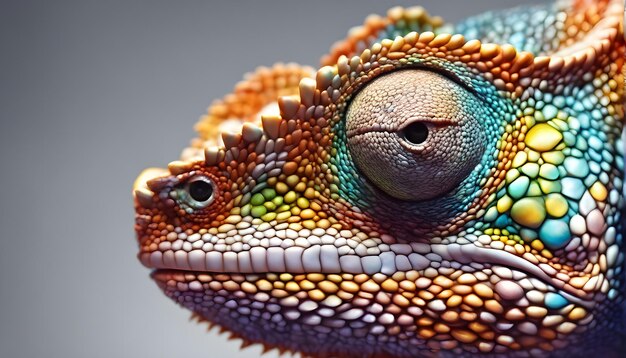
x=317, y=97
x=359, y=38
x=250, y=97
x=501, y=64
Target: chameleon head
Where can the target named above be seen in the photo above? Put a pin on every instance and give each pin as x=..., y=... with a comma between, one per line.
x=427, y=194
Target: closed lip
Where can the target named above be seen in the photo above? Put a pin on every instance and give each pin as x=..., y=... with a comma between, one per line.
x=315, y=259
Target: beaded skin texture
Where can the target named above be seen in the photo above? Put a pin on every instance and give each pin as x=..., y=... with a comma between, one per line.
x=431, y=190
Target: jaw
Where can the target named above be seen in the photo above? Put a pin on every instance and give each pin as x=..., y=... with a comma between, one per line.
x=337, y=252
x=448, y=306
x=330, y=292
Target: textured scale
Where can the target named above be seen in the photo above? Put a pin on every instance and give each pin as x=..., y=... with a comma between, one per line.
x=431, y=190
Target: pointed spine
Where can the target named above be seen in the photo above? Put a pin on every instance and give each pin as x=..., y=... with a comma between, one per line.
x=213, y=155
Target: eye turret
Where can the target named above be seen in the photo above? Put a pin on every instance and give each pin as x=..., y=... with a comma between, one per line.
x=415, y=134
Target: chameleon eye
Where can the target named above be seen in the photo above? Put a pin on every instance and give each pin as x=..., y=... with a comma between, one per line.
x=200, y=190
x=416, y=134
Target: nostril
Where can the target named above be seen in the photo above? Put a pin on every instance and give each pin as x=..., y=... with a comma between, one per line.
x=415, y=133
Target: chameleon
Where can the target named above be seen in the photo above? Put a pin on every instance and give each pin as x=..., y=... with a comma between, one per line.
x=430, y=190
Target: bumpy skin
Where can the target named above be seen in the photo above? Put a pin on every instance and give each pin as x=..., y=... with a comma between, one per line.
x=422, y=194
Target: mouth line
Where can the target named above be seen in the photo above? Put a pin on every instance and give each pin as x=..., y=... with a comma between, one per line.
x=471, y=253
x=382, y=263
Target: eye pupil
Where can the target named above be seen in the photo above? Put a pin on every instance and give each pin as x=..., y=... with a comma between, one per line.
x=416, y=133
x=200, y=190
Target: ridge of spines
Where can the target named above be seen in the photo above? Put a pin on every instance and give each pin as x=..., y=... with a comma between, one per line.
x=488, y=58
x=373, y=25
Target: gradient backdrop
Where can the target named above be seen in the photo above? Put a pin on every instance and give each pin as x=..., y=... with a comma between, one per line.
x=90, y=94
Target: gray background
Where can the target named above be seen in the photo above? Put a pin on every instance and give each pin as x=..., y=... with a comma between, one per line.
x=90, y=94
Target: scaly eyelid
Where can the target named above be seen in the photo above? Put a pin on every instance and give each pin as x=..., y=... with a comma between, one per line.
x=432, y=122
x=452, y=76
x=159, y=184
